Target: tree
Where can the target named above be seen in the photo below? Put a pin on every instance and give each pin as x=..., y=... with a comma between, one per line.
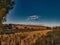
x=5, y=7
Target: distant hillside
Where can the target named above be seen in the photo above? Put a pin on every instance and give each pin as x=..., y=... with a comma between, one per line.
x=22, y=26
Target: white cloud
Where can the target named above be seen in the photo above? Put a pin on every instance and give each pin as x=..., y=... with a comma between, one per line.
x=33, y=17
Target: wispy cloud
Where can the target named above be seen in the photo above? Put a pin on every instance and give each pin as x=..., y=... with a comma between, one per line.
x=33, y=18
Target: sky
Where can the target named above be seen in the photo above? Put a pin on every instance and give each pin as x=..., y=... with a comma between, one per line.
x=40, y=12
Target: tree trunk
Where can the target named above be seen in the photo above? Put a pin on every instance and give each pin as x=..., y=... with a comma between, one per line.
x=1, y=26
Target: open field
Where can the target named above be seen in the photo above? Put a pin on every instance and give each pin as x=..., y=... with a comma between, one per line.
x=28, y=38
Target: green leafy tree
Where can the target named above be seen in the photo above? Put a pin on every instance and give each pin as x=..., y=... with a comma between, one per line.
x=5, y=7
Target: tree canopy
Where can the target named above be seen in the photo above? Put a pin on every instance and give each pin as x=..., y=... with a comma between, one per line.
x=5, y=6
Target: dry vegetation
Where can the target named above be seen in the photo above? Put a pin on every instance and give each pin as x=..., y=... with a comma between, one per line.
x=22, y=38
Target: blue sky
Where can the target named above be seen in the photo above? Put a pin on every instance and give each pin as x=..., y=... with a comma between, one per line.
x=47, y=11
